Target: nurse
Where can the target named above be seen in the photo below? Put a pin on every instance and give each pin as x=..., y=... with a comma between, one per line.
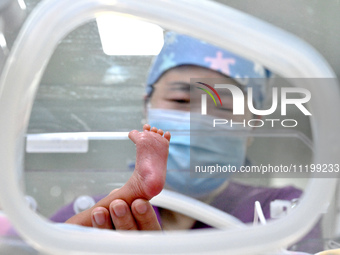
x=171, y=104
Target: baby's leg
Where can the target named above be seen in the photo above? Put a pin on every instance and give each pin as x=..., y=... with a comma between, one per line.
x=148, y=178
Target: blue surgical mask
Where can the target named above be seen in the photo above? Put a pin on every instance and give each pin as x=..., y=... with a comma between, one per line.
x=202, y=147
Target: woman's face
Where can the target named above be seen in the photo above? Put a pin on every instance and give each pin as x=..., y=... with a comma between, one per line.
x=172, y=91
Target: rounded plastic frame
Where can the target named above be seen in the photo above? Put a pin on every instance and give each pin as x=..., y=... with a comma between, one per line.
x=281, y=52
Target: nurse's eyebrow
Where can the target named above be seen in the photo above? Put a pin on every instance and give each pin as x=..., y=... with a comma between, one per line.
x=178, y=85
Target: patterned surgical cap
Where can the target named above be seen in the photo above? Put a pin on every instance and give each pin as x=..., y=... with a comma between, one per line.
x=181, y=50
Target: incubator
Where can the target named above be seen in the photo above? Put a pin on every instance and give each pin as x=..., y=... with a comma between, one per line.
x=68, y=102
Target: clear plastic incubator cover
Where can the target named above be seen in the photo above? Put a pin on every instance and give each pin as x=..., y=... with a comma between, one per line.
x=67, y=116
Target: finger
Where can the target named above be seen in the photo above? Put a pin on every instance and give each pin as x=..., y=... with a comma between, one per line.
x=121, y=215
x=84, y=218
x=101, y=218
x=144, y=215
x=113, y=191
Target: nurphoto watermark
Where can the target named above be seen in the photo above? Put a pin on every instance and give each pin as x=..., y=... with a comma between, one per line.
x=226, y=112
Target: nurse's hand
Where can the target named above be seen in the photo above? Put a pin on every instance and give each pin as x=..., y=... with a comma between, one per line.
x=140, y=216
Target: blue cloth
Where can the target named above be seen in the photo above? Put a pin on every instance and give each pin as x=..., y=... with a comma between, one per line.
x=181, y=49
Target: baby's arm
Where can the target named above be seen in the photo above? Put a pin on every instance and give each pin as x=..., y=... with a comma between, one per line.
x=147, y=181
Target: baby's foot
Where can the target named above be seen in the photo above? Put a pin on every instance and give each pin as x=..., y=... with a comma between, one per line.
x=151, y=162
x=147, y=180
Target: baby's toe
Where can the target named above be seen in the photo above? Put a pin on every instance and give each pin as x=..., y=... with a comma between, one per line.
x=160, y=132
x=167, y=136
x=154, y=129
x=146, y=127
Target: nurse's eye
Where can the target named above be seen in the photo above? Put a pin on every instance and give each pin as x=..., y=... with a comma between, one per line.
x=181, y=101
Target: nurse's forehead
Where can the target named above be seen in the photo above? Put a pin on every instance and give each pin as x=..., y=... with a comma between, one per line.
x=177, y=86
x=186, y=87
x=180, y=78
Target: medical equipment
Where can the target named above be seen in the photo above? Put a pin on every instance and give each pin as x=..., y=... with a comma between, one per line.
x=17, y=93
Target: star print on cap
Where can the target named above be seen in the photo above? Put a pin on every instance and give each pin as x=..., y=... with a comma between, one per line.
x=181, y=50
